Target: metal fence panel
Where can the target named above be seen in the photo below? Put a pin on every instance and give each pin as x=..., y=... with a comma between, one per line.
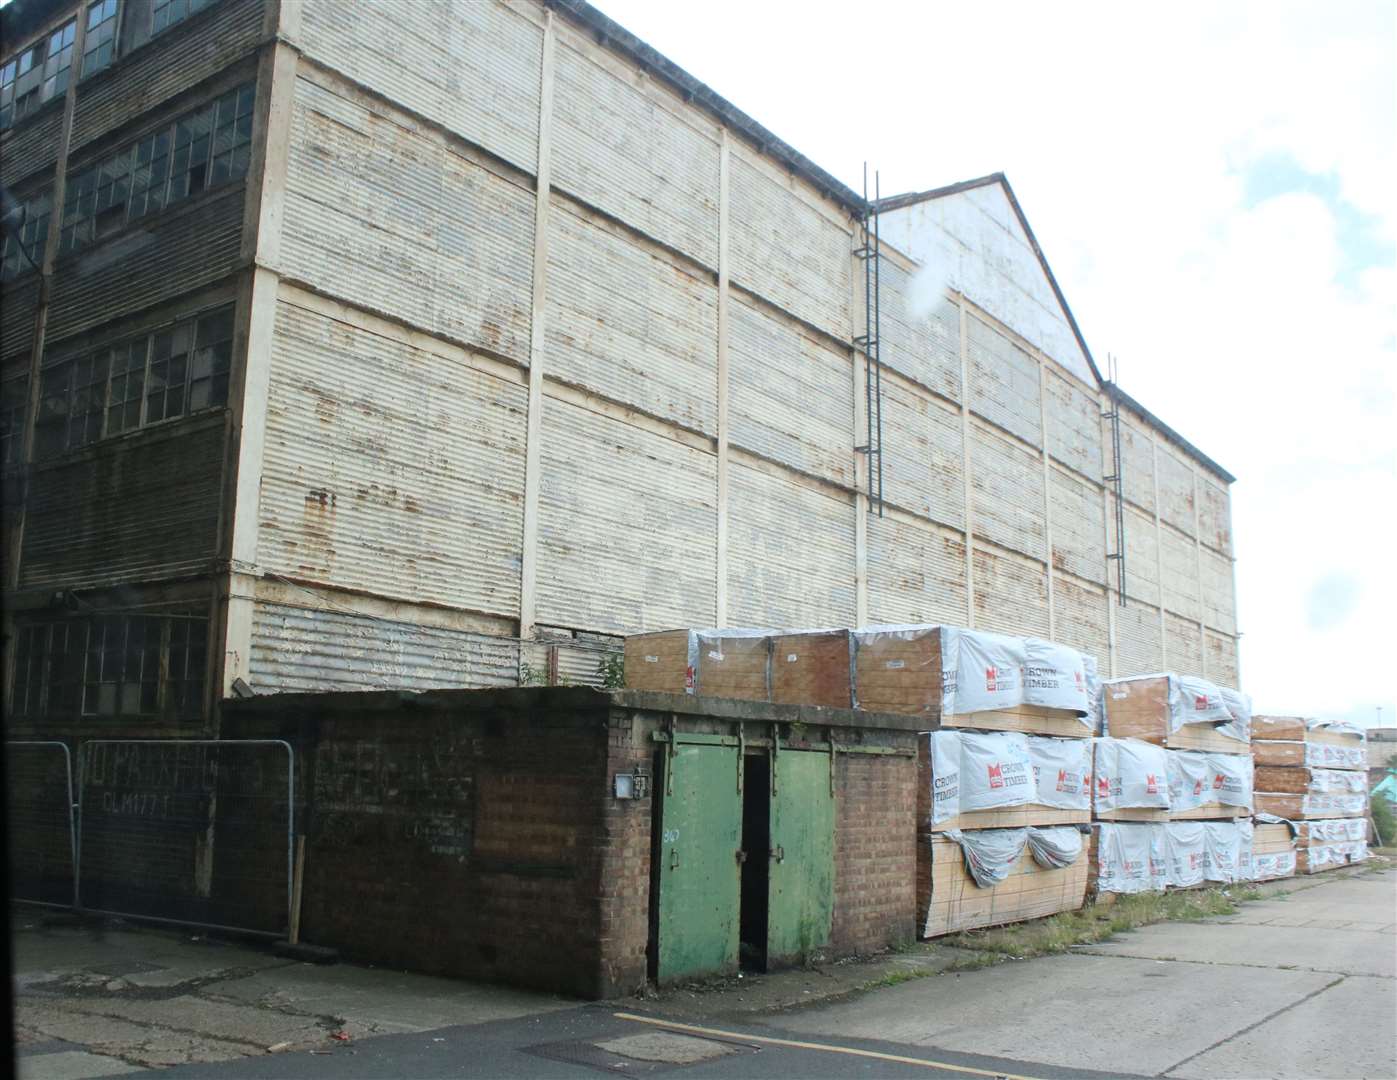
x=39, y=796
x=196, y=831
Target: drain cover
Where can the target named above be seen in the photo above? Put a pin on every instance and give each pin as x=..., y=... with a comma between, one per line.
x=666, y=1047
x=125, y=967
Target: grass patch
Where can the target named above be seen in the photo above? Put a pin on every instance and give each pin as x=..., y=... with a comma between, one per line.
x=1058, y=933
x=896, y=977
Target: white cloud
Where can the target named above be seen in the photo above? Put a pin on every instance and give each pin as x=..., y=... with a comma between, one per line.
x=1128, y=133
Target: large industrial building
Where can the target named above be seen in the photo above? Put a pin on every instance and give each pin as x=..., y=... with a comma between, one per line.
x=354, y=346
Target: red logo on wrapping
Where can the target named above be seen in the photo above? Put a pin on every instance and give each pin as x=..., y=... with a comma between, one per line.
x=689, y=677
x=1198, y=787
x=991, y=674
x=1151, y=784
x=1103, y=785
x=996, y=775
x=1217, y=781
x=1200, y=702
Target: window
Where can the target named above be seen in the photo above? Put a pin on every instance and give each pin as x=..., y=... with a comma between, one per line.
x=99, y=47
x=168, y=12
x=175, y=371
x=201, y=150
x=18, y=254
x=111, y=665
x=14, y=403
x=37, y=74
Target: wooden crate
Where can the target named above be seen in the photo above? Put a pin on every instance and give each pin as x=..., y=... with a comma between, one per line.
x=812, y=669
x=1292, y=807
x=728, y=667
x=1139, y=709
x=948, y=900
x=900, y=673
x=1295, y=729
x=1008, y=817
x=1279, y=779
x=1269, y=838
x=1308, y=752
x=1317, y=858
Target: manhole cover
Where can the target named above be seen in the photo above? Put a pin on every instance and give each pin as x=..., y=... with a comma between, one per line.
x=125, y=967
x=666, y=1047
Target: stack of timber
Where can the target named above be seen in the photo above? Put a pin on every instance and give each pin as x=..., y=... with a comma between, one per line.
x=1133, y=857
x=1314, y=774
x=731, y=663
x=1273, y=851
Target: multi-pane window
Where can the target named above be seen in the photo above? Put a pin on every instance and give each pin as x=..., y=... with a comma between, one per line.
x=168, y=12
x=142, y=381
x=24, y=249
x=201, y=150
x=14, y=402
x=111, y=665
x=37, y=74
x=99, y=46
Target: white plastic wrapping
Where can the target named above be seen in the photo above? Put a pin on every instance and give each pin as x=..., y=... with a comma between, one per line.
x=980, y=671
x=1195, y=701
x=1129, y=774
x=1239, y=706
x=1190, y=780
x=1337, y=805
x=1054, y=677
x=1228, y=850
x=1339, y=853
x=1127, y=857
x=1273, y=864
x=1096, y=716
x=1055, y=846
x=710, y=641
x=944, y=747
x=1328, y=756
x=1061, y=772
x=995, y=770
x=1336, y=830
x=989, y=853
x=1187, y=848
x=1231, y=779
x=1338, y=782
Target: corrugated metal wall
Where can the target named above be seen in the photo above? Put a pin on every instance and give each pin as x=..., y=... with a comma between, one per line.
x=299, y=649
x=916, y=573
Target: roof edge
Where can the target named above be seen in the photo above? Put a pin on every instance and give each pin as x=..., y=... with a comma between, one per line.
x=1118, y=395
x=610, y=33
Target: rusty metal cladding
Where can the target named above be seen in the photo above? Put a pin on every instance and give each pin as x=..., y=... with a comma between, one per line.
x=1004, y=383
x=1214, y=517
x=1184, y=646
x=1006, y=484
x=1079, y=615
x=1074, y=426
x=1138, y=647
x=1222, y=658
x=627, y=149
x=395, y=221
x=791, y=553
x=626, y=524
x=31, y=150
x=791, y=394
x=922, y=454
x=297, y=648
x=626, y=322
x=1079, y=545
x=472, y=68
x=1011, y=594
x=920, y=330
x=1180, y=565
x=916, y=573
x=1175, y=491
x=1217, y=591
x=389, y=469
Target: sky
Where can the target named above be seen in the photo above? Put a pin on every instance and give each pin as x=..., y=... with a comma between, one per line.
x=1215, y=187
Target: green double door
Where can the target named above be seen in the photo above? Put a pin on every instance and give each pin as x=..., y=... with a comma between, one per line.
x=702, y=861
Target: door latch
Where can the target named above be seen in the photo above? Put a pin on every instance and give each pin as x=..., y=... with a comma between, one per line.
x=741, y=855
x=674, y=858
x=778, y=853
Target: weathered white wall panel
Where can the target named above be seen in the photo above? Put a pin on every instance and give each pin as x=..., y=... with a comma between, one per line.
x=617, y=148
x=916, y=573
x=630, y=324
x=973, y=241
x=1217, y=592
x=1184, y=646
x=626, y=526
x=1137, y=640
x=790, y=553
x=1214, y=516
x=791, y=396
x=919, y=328
x=472, y=68
x=1074, y=425
x=1079, y=612
x=785, y=250
x=390, y=470
x=1006, y=483
x=922, y=461
x=1180, y=558
x=1011, y=595
x=1222, y=660
x=1079, y=540
x=1175, y=490
x=450, y=251
x=1004, y=383
x=1142, y=555
x=299, y=649
x=1138, y=457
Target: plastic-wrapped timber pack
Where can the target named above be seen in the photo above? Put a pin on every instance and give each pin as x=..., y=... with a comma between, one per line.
x=1130, y=781
x=987, y=877
x=1323, y=845
x=726, y=663
x=1133, y=857
x=975, y=779
x=1273, y=852
x=1303, y=793
x=1318, y=744
x=1209, y=785
x=1178, y=711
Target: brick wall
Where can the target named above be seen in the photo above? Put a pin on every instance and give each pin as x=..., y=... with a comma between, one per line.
x=875, y=852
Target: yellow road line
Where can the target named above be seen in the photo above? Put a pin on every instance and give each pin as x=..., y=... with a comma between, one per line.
x=742, y=1036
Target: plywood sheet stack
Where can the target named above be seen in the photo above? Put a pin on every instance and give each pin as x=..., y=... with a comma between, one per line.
x=1172, y=786
x=1314, y=774
x=730, y=663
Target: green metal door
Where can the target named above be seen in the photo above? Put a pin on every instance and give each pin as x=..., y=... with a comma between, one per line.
x=802, y=856
x=699, y=878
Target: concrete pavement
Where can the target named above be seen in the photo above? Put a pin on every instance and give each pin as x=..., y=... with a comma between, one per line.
x=1300, y=985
